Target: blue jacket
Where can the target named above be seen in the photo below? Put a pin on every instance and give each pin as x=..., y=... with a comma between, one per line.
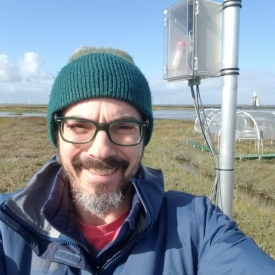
x=165, y=233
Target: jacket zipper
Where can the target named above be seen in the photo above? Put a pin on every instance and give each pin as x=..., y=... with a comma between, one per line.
x=121, y=253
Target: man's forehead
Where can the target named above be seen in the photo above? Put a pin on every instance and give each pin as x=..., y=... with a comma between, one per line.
x=105, y=106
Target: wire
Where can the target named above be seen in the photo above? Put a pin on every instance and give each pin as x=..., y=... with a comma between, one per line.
x=215, y=191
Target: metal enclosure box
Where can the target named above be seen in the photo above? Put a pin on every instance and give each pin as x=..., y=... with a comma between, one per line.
x=192, y=40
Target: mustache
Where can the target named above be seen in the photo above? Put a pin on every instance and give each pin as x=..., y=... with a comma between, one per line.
x=91, y=162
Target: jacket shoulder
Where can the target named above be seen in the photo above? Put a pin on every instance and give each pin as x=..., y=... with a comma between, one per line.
x=180, y=198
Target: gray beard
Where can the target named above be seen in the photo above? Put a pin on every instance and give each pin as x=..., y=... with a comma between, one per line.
x=99, y=203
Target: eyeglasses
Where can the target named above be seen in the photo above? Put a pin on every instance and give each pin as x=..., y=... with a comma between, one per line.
x=121, y=132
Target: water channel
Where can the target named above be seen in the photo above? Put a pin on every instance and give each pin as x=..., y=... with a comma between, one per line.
x=158, y=114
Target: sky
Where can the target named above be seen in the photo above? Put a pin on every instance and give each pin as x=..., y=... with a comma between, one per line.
x=38, y=37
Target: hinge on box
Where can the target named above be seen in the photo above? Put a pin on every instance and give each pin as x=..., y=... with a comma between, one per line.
x=196, y=63
x=165, y=22
x=165, y=19
x=164, y=70
x=197, y=10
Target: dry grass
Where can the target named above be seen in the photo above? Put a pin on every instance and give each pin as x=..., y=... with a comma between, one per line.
x=24, y=147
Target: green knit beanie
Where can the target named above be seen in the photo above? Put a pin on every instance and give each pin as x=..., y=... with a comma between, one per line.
x=98, y=73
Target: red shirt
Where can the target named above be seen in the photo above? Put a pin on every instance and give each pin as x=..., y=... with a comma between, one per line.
x=99, y=236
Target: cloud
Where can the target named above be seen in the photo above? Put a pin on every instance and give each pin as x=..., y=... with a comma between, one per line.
x=26, y=68
x=261, y=82
x=8, y=70
x=23, y=80
x=30, y=65
x=178, y=92
x=164, y=92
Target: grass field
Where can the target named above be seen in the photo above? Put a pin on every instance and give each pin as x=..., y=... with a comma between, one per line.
x=24, y=148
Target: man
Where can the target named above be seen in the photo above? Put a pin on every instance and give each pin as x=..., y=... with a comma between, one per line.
x=95, y=209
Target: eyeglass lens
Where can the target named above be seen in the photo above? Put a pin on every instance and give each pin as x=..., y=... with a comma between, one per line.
x=124, y=133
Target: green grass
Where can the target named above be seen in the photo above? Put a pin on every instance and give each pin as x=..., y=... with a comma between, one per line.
x=24, y=148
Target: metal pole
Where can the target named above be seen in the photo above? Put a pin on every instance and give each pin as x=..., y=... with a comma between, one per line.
x=229, y=73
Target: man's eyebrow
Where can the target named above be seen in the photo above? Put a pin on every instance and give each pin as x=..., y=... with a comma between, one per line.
x=125, y=118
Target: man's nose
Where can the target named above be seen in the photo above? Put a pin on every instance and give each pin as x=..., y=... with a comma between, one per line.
x=101, y=147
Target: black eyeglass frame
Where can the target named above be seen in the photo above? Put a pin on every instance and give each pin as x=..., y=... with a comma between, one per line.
x=102, y=126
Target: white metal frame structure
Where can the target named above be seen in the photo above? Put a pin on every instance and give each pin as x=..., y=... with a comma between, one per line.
x=257, y=126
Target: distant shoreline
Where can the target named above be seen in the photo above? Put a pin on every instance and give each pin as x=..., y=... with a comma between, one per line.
x=208, y=106
x=158, y=106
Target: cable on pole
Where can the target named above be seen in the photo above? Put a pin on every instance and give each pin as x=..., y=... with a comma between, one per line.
x=206, y=133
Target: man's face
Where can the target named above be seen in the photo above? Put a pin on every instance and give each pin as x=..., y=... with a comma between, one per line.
x=99, y=171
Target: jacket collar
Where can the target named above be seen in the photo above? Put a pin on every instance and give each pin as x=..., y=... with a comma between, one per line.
x=150, y=188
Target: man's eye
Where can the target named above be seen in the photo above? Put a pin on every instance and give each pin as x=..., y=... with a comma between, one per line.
x=74, y=126
x=77, y=126
x=125, y=127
